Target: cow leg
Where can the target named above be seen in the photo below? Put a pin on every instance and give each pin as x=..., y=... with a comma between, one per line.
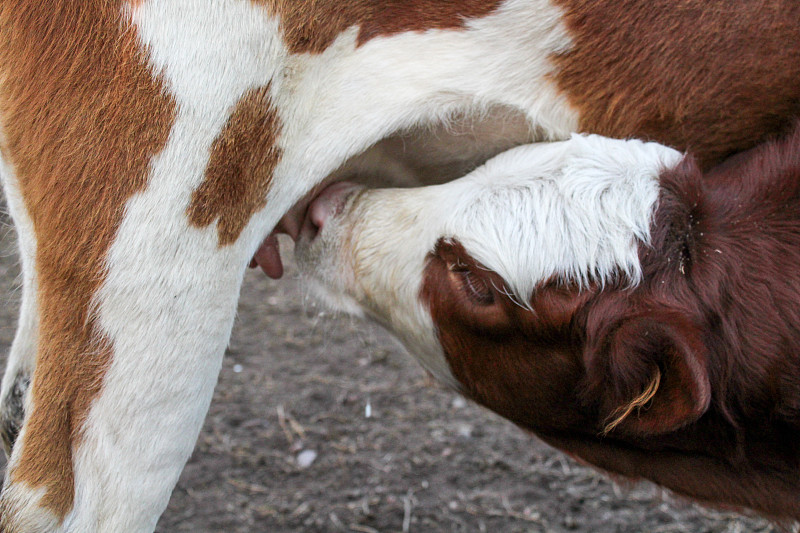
x=135, y=302
x=109, y=431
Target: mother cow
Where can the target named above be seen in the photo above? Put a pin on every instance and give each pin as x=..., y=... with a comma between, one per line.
x=149, y=146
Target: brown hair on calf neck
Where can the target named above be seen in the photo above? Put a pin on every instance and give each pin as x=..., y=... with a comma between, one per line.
x=690, y=379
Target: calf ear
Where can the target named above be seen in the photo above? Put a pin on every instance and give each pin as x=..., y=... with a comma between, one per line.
x=647, y=374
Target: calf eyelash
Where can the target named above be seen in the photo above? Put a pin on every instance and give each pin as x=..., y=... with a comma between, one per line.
x=477, y=290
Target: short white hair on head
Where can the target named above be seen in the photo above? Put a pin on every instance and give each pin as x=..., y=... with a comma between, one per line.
x=574, y=211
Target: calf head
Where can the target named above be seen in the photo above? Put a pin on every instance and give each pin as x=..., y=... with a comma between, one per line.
x=552, y=286
x=401, y=256
x=488, y=280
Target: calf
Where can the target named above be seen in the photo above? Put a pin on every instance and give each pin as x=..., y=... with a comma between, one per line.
x=607, y=295
x=149, y=147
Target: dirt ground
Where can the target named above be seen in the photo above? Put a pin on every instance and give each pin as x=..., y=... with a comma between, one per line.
x=325, y=424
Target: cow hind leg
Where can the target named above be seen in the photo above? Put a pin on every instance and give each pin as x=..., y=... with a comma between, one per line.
x=114, y=407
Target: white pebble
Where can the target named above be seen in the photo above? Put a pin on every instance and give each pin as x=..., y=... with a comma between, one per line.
x=237, y=368
x=459, y=402
x=305, y=458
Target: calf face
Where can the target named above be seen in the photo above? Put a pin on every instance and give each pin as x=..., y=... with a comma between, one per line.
x=602, y=293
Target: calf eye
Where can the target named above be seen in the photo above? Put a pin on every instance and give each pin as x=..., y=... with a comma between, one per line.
x=473, y=285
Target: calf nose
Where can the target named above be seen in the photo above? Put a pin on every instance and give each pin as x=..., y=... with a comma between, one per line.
x=325, y=206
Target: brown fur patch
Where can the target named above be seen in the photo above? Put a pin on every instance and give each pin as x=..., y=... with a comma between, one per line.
x=310, y=27
x=82, y=116
x=713, y=77
x=239, y=172
x=496, y=349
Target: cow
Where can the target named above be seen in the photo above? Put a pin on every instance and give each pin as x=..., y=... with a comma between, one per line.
x=150, y=149
x=608, y=295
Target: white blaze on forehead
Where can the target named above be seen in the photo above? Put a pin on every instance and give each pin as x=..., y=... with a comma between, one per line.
x=576, y=210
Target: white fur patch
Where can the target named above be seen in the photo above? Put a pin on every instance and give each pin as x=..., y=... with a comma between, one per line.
x=575, y=210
